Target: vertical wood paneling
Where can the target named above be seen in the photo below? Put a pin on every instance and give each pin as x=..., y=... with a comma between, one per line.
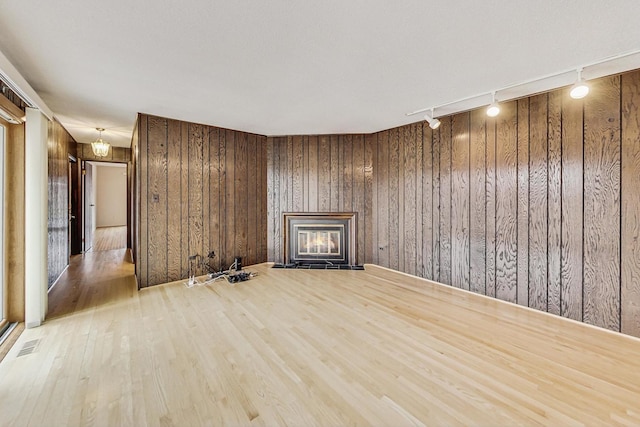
x=359, y=194
x=222, y=194
x=338, y=164
x=394, y=199
x=420, y=195
x=491, y=208
x=428, y=198
x=174, y=229
x=262, y=217
x=346, y=199
x=288, y=172
x=184, y=198
x=312, y=174
x=249, y=250
x=408, y=243
x=370, y=199
x=506, y=203
x=460, y=194
x=241, y=196
x=382, y=180
x=206, y=194
x=282, y=184
x=572, y=208
x=554, y=200
x=157, y=201
x=298, y=170
x=402, y=136
x=215, y=229
x=435, y=195
x=195, y=191
x=305, y=173
x=142, y=270
x=445, y=201
x=273, y=207
x=523, y=202
x=602, y=204
x=477, y=203
x=336, y=172
x=630, y=292
x=324, y=174
x=538, y=198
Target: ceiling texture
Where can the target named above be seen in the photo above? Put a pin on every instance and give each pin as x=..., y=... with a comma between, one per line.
x=285, y=67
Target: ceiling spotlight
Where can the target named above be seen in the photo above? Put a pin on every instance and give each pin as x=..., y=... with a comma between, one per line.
x=493, y=109
x=433, y=122
x=580, y=89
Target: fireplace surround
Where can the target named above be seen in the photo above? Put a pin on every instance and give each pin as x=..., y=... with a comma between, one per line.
x=325, y=238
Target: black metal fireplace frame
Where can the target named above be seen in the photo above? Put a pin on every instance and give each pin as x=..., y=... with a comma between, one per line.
x=348, y=219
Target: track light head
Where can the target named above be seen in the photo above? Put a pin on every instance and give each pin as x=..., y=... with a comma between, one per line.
x=433, y=122
x=580, y=89
x=493, y=109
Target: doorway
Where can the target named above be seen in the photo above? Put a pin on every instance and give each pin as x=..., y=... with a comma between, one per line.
x=87, y=206
x=105, y=206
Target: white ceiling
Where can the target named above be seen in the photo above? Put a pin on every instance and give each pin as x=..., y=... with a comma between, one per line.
x=294, y=67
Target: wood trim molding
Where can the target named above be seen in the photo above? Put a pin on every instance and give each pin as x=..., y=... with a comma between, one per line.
x=11, y=110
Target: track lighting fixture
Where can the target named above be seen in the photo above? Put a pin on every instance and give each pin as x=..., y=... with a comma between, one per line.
x=580, y=89
x=560, y=79
x=493, y=109
x=433, y=122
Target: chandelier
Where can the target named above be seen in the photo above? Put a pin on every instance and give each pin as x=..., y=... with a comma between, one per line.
x=99, y=147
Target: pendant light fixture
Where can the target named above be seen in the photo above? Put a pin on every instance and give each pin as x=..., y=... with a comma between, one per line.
x=433, y=122
x=99, y=147
x=493, y=109
x=580, y=89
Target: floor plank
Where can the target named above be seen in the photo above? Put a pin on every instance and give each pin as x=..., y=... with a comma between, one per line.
x=306, y=347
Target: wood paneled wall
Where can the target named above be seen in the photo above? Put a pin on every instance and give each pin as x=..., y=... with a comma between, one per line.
x=318, y=174
x=201, y=188
x=538, y=206
x=60, y=146
x=14, y=220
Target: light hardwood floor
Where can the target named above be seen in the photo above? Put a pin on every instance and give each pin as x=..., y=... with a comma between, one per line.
x=298, y=348
x=109, y=238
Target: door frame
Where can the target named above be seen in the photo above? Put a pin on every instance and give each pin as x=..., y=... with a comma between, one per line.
x=74, y=246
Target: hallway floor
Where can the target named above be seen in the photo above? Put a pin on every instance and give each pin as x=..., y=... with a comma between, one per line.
x=109, y=238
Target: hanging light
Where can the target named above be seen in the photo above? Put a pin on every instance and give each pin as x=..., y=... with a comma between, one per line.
x=580, y=89
x=99, y=147
x=433, y=122
x=493, y=109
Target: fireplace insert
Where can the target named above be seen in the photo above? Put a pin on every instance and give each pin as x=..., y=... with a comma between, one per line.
x=320, y=238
